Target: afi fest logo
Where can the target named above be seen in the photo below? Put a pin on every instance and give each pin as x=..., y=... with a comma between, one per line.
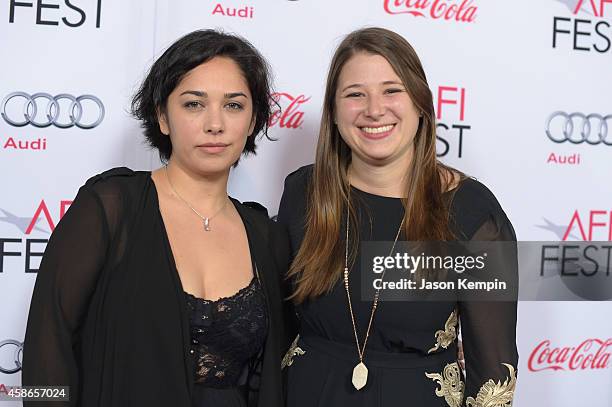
x=450, y=117
x=586, y=226
x=590, y=227
x=26, y=245
x=290, y=114
x=463, y=11
x=591, y=354
x=589, y=29
x=581, y=255
x=51, y=13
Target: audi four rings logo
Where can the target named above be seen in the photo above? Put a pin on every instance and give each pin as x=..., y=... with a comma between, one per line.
x=31, y=107
x=11, y=352
x=578, y=128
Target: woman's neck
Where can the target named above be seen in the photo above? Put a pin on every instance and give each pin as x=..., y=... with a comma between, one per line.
x=206, y=193
x=385, y=180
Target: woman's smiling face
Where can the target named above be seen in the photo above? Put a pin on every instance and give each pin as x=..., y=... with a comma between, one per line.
x=373, y=110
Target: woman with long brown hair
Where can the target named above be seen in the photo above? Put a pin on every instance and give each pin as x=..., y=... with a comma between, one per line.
x=376, y=177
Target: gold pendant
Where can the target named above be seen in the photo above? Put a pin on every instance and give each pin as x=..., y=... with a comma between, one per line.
x=360, y=376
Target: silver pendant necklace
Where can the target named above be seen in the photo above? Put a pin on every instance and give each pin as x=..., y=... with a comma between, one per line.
x=360, y=372
x=205, y=219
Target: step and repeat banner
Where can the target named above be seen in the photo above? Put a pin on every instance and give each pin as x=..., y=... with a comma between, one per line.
x=522, y=91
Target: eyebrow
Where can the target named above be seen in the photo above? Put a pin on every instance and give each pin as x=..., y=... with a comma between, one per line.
x=358, y=85
x=232, y=95
x=202, y=94
x=392, y=83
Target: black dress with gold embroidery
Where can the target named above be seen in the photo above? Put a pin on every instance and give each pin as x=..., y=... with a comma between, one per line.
x=411, y=353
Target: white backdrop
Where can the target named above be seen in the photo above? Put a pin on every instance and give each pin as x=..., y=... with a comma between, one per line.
x=496, y=78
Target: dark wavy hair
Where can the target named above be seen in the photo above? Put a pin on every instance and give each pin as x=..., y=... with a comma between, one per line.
x=187, y=53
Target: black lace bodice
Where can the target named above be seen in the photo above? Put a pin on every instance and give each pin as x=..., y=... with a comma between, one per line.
x=226, y=334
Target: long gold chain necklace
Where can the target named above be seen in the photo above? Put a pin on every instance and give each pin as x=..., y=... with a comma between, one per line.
x=360, y=372
x=205, y=219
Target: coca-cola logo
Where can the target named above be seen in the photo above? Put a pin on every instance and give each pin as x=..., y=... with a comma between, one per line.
x=591, y=354
x=290, y=115
x=456, y=10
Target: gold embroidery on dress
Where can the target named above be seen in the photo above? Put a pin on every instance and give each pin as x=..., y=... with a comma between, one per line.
x=451, y=386
x=293, y=351
x=493, y=394
x=448, y=335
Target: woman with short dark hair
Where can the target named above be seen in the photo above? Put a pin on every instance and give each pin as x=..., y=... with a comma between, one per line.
x=157, y=288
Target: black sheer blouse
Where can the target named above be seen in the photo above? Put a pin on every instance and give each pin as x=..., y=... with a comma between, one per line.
x=109, y=317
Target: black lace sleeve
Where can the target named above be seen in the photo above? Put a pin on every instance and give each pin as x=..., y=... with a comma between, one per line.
x=489, y=333
x=66, y=279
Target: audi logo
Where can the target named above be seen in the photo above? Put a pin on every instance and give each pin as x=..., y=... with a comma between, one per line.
x=578, y=128
x=52, y=110
x=11, y=352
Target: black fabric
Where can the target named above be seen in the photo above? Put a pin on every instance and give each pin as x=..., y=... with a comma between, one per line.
x=204, y=396
x=108, y=315
x=226, y=334
x=404, y=329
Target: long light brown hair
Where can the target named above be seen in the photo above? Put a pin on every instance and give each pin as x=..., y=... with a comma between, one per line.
x=320, y=260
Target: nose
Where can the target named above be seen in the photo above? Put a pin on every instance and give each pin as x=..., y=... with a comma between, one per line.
x=213, y=123
x=375, y=107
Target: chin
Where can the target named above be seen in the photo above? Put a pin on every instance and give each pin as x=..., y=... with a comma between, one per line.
x=214, y=163
x=214, y=166
x=381, y=156
x=379, y=161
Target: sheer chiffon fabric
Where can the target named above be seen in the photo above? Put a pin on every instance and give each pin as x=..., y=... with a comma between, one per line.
x=109, y=317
